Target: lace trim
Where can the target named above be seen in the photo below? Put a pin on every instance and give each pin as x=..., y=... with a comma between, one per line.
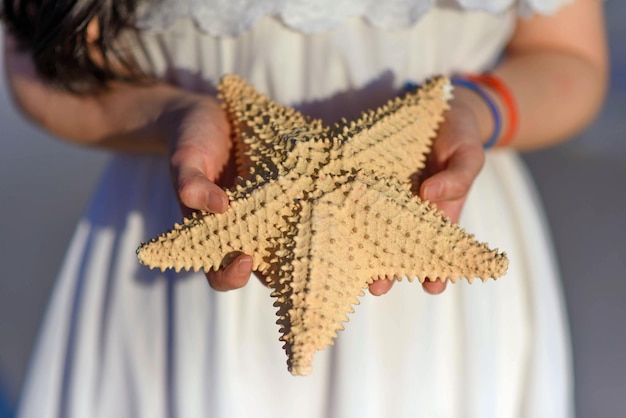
x=233, y=17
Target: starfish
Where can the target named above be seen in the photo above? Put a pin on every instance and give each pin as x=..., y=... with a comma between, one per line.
x=326, y=210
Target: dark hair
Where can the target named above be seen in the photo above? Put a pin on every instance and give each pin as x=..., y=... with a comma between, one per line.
x=54, y=32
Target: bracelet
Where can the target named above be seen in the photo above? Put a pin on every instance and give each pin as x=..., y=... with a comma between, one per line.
x=410, y=86
x=507, y=99
x=497, y=120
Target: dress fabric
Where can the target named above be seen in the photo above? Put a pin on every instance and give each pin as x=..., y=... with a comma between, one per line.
x=120, y=340
x=232, y=17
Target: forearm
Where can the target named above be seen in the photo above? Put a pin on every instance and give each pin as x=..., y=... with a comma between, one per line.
x=556, y=94
x=124, y=117
x=557, y=69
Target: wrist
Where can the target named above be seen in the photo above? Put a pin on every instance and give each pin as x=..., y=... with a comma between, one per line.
x=175, y=110
x=470, y=102
x=494, y=106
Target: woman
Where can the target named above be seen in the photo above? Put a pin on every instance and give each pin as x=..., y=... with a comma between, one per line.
x=119, y=340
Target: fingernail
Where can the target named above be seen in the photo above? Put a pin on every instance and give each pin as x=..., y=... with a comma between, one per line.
x=216, y=203
x=244, y=266
x=432, y=191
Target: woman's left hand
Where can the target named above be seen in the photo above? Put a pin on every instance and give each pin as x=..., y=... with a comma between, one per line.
x=452, y=166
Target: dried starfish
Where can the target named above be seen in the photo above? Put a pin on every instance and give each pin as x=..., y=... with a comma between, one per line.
x=325, y=211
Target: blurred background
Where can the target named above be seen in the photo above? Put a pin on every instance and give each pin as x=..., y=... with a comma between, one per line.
x=45, y=184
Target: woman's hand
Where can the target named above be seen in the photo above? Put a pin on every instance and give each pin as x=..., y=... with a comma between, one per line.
x=200, y=147
x=456, y=159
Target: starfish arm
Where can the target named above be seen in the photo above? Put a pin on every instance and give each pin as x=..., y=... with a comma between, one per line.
x=387, y=232
x=262, y=127
x=318, y=311
x=207, y=241
x=312, y=296
x=290, y=279
x=394, y=139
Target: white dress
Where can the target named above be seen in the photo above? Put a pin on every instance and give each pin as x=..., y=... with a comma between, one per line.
x=121, y=341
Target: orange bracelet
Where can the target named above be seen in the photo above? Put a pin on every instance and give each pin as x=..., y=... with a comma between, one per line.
x=509, y=102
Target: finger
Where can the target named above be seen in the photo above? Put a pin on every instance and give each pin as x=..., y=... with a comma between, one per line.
x=197, y=192
x=380, y=287
x=434, y=287
x=192, y=184
x=234, y=276
x=454, y=182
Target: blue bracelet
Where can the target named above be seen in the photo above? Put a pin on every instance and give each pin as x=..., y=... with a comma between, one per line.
x=410, y=86
x=497, y=120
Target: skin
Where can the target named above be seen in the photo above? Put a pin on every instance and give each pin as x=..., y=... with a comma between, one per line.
x=556, y=62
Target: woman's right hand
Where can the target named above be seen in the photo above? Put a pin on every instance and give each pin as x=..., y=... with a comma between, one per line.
x=200, y=146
